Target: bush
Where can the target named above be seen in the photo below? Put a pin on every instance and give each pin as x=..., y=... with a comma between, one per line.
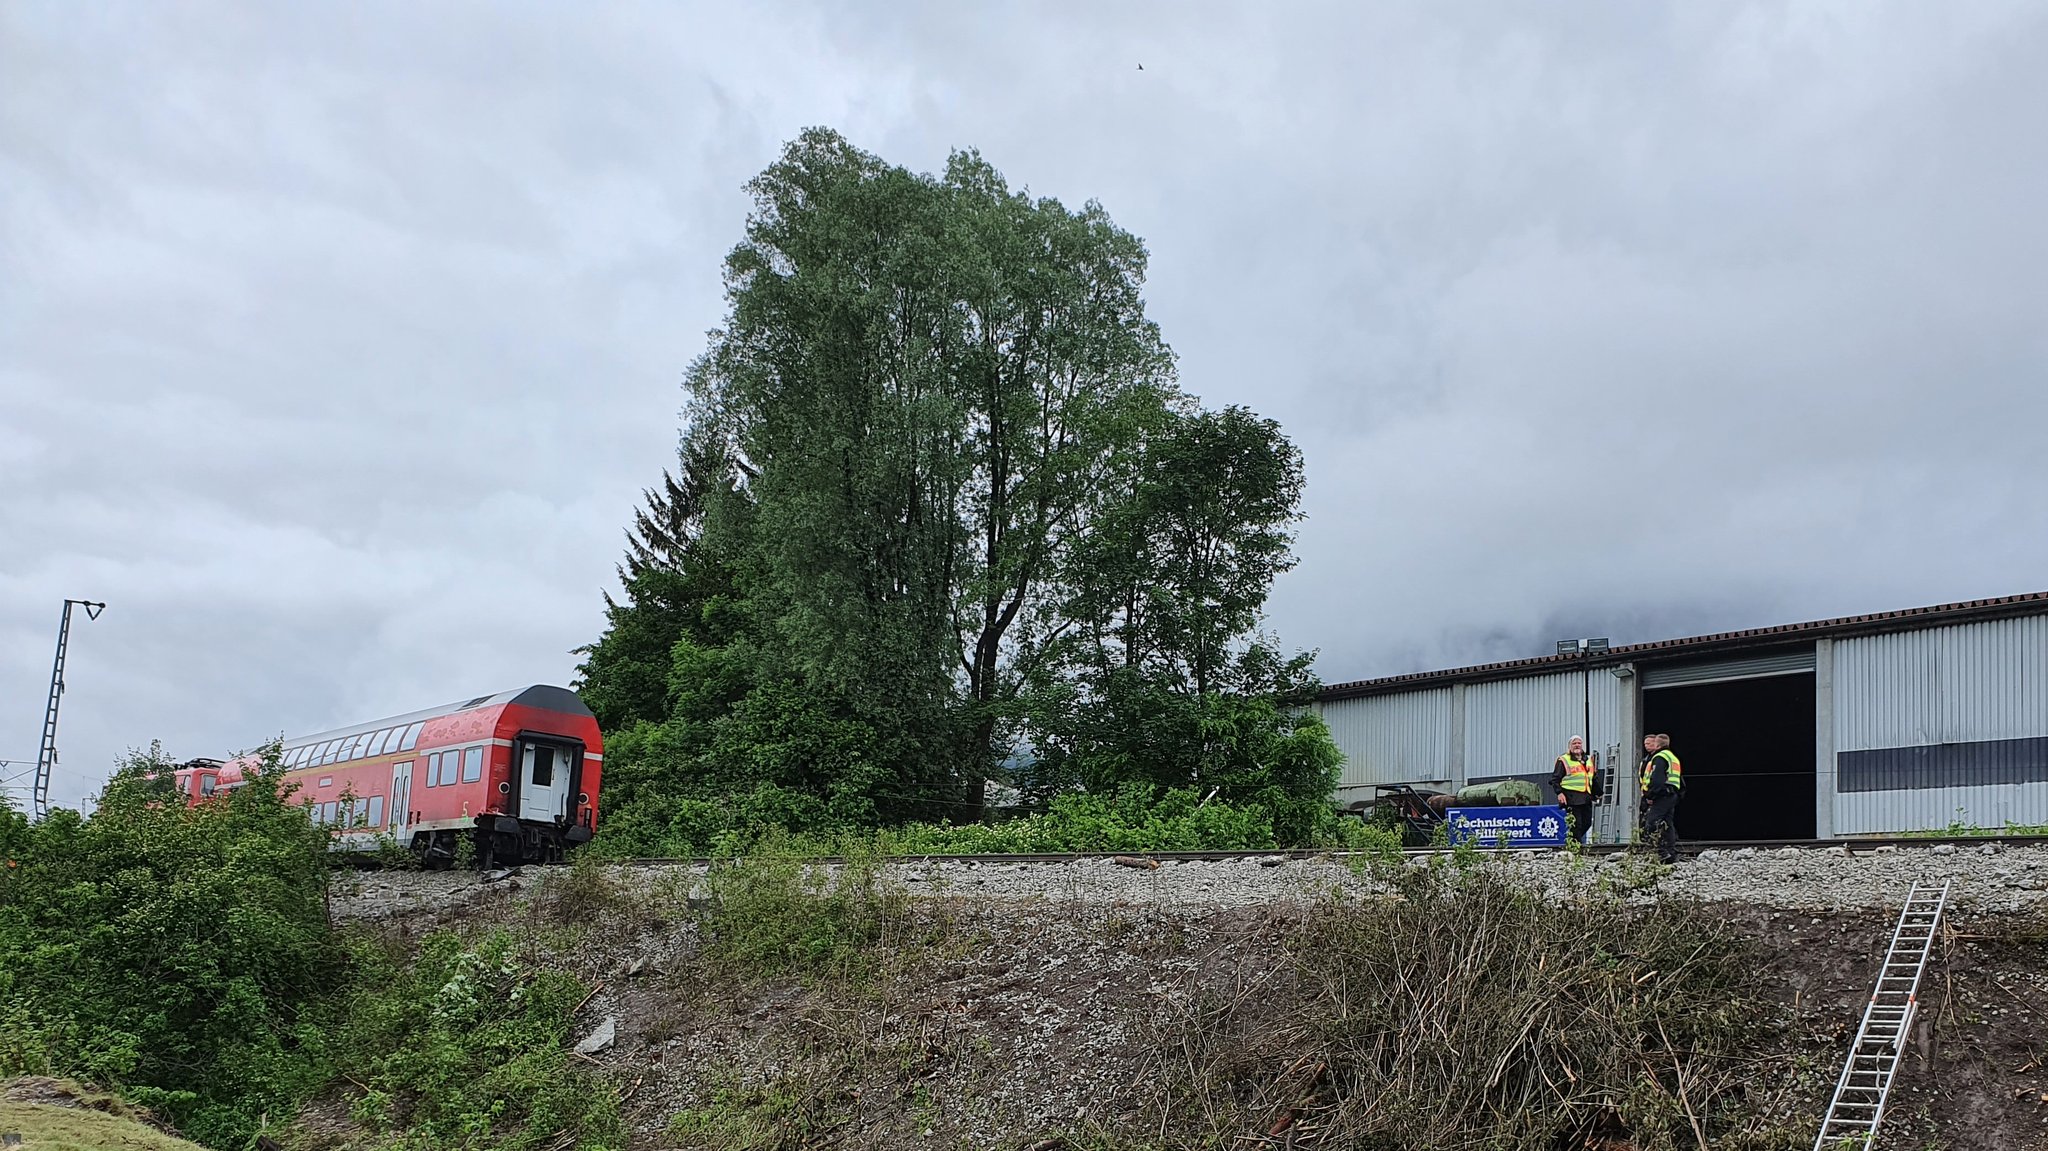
x=464, y=1046
x=1470, y=1013
x=772, y=914
x=179, y=953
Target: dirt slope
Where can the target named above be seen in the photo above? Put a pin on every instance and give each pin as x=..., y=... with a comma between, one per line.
x=1044, y=1021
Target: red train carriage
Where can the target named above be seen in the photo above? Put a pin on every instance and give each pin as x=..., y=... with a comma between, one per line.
x=515, y=773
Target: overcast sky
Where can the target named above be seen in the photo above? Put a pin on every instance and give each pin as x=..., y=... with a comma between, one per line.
x=337, y=341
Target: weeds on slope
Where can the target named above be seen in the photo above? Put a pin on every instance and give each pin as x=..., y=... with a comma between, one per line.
x=1466, y=1012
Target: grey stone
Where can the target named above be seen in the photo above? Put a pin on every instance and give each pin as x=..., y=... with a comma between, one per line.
x=600, y=1037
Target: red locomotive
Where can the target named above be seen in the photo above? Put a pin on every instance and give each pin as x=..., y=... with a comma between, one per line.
x=515, y=773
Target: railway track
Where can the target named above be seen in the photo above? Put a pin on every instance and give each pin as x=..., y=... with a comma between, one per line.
x=1855, y=846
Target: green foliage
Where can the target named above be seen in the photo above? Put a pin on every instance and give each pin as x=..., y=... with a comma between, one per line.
x=178, y=952
x=463, y=1045
x=1139, y=817
x=1245, y=749
x=183, y=956
x=939, y=498
x=772, y=914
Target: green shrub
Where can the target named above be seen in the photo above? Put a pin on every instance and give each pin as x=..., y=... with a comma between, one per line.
x=463, y=1045
x=178, y=953
x=773, y=914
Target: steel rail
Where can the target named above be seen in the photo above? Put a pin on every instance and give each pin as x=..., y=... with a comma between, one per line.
x=1860, y=845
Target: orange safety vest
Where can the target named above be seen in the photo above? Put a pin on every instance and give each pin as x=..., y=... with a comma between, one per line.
x=1670, y=769
x=1578, y=773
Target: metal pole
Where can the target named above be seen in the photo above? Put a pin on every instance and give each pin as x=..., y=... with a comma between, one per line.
x=46, y=759
x=1586, y=690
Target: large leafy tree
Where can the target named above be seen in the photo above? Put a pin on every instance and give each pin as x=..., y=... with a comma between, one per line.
x=942, y=471
x=1168, y=681
x=924, y=376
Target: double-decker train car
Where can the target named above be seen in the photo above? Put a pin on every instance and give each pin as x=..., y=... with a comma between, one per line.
x=515, y=773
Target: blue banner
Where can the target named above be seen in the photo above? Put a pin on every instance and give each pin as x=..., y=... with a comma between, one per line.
x=1518, y=826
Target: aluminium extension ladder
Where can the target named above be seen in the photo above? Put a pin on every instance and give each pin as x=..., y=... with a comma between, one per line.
x=1858, y=1105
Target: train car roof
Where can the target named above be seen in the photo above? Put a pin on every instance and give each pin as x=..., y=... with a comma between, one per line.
x=542, y=696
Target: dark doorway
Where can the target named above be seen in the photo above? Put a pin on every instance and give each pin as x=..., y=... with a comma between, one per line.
x=1747, y=750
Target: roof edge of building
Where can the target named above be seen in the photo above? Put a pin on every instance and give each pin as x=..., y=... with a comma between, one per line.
x=1905, y=619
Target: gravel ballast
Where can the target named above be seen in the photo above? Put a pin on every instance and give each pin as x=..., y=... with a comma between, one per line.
x=1988, y=877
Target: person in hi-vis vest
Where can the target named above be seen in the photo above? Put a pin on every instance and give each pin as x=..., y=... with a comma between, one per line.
x=1660, y=788
x=1575, y=778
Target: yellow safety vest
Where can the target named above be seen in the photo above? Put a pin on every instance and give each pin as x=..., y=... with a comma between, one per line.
x=1670, y=769
x=1578, y=773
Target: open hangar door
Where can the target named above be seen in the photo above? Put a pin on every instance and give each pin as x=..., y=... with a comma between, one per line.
x=1743, y=730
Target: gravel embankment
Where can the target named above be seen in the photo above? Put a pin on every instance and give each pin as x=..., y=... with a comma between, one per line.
x=1988, y=878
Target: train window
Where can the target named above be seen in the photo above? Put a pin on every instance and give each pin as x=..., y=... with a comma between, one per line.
x=543, y=766
x=293, y=757
x=411, y=738
x=361, y=813
x=207, y=783
x=385, y=741
x=472, y=765
x=352, y=747
x=326, y=753
x=376, y=811
x=326, y=781
x=433, y=766
x=451, y=763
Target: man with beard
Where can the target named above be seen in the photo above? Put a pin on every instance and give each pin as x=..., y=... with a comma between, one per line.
x=1575, y=779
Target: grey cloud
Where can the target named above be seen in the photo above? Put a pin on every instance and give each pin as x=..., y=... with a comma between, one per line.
x=336, y=343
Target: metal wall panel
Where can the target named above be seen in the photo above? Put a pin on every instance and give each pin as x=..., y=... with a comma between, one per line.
x=1519, y=726
x=1723, y=670
x=1929, y=809
x=1964, y=684
x=1399, y=738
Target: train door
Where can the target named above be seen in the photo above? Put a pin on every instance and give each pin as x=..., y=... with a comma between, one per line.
x=544, y=782
x=401, y=799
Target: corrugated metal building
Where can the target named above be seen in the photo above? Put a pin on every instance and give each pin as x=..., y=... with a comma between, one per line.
x=1898, y=721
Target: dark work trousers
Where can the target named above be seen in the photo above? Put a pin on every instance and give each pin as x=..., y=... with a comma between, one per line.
x=1580, y=816
x=1660, y=824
